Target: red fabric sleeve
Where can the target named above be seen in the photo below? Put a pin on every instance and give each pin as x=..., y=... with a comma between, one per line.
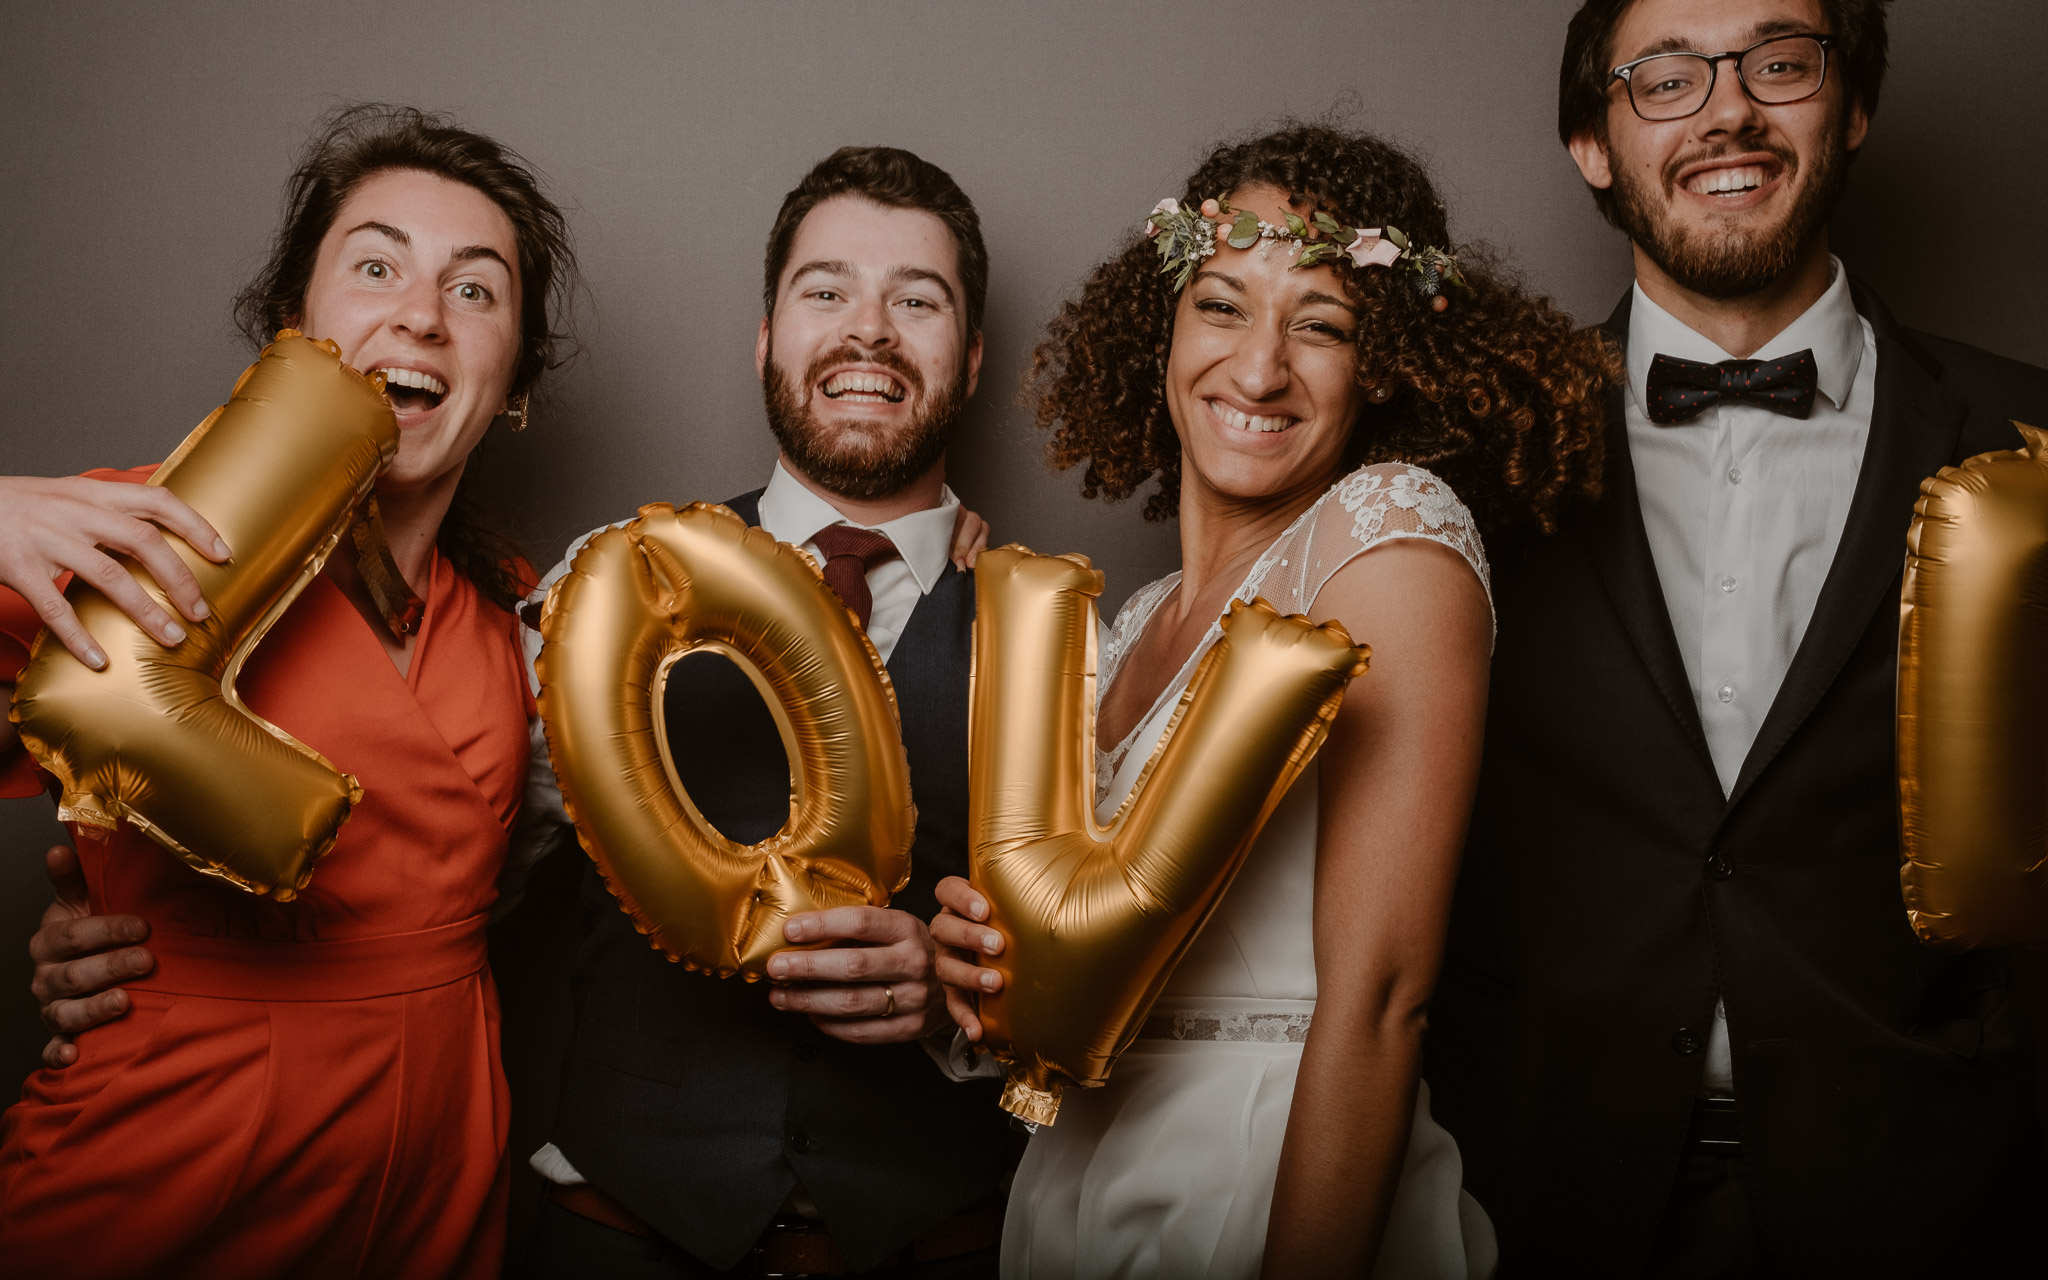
x=19, y=625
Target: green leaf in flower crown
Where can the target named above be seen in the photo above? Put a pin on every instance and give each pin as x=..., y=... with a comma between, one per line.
x=1394, y=234
x=1244, y=233
x=1296, y=227
x=1329, y=224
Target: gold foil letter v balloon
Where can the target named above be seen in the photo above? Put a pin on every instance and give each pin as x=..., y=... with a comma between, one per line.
x=159, y=737
x=636, y=600
x=1973, y=702
x=1096, y=918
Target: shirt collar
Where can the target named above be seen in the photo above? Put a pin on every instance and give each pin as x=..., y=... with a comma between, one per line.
x=1830, y=328
x=793, y=513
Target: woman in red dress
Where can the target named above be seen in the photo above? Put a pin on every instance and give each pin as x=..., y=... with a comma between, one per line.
x=313, y=1088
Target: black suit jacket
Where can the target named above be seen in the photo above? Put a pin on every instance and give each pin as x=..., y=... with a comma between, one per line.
x=698, y=1105
x=1610, y=893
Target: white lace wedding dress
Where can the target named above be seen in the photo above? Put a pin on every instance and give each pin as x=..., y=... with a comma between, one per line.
x=1167, y=1171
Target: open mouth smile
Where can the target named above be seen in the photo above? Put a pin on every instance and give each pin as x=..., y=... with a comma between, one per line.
x=413, y=390
x=864, y=386
x=1732, y=185
x=1255, y=424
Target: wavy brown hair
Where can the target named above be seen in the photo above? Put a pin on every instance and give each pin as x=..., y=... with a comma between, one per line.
x=1499, y=394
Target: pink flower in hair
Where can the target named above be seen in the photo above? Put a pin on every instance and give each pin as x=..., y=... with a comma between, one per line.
x=1369, y=250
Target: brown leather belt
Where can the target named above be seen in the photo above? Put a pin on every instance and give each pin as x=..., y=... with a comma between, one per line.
x=801, y=1246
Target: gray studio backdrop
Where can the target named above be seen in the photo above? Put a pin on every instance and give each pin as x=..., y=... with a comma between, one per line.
x=145, y=145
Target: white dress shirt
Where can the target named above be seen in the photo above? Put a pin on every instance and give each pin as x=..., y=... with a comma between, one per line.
x=1744, y=509
x=792, y=513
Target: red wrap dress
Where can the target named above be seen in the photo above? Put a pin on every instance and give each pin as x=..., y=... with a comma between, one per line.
x=311, y=1088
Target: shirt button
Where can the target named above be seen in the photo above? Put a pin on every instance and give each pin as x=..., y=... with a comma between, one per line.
x=1728, y=584
x=1719, y=867
x=1735, y=475
x=801, y=1142
x=807, y=1053
x=1725, y=693
x=1685, y=1042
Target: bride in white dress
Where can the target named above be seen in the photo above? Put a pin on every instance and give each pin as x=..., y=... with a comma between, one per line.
x=1270, y=1117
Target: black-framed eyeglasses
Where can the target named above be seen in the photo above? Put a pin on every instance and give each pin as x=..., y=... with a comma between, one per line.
x=1672, y=86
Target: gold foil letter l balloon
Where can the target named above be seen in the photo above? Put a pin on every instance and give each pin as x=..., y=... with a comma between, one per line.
x=159, y=737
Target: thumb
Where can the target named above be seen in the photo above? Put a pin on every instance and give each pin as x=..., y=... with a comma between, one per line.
x=67, y=876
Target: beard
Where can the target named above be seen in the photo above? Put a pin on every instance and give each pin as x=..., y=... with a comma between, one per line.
x=859, y=460
x=1731, y=261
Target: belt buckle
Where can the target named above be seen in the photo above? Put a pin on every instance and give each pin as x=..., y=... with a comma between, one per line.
x=794, y=1229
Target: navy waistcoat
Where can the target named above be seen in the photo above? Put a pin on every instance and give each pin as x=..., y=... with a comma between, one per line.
x=698, y=1105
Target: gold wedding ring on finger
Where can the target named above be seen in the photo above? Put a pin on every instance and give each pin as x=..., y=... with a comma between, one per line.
x=889, y=994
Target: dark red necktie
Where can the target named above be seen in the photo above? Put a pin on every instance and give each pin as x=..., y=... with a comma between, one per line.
x=1681, y=390
x=849, y=554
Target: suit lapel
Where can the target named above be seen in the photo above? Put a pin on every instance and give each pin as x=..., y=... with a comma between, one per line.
x=1914, y=426
x=1620, y=549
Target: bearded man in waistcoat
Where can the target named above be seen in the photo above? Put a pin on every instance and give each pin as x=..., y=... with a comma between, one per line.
x=798, y=1127
x=1683, y=1026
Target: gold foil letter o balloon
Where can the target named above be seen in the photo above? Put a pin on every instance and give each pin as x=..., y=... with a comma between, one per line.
x=159, y=737
x=636, y=600
x=1973, y=702
x=1096, y=918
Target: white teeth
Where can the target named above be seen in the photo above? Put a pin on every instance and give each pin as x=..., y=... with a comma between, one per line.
x=855, y=381
x=415, y=379
x=1719, y=181
x=1246, y=422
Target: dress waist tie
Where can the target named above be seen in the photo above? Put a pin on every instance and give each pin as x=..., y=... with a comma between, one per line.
x=342, y=969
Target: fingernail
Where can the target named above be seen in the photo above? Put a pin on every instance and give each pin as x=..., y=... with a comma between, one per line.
x=988, y=982
x=95, y=659
x=201, y=610
x=175, y=632
x=794, y=930
x=775, y=998
x=220, y=549
x=979, y=908
x=991, y=941
x=132, y=931
x=777, y=968
x=120, y=1000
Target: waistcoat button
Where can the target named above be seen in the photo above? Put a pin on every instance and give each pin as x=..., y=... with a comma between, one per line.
x=800, y=1142
x=1719, y=866
x=1685, y=1042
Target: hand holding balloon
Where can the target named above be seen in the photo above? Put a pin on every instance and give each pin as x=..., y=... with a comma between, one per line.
x=963, y=939
x=873, y=983
x=77, y=525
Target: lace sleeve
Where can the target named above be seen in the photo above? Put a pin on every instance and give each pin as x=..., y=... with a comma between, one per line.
x=1372, y=506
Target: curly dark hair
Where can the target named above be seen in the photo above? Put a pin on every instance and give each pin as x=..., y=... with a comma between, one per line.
x=359, y=141
x=1500, y=394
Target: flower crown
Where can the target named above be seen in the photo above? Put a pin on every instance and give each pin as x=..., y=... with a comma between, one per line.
x=1186, y=236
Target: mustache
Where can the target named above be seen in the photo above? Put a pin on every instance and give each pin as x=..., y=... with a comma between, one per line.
x=880, y=357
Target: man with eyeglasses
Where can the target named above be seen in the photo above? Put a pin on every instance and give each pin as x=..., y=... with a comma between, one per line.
x=1683, y=1026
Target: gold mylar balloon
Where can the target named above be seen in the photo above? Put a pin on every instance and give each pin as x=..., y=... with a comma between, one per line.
x=1973, y=702
x=638, y=599
x=159, y=737
x=1096, y=918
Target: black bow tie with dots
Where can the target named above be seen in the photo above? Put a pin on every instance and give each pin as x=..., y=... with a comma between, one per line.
x=1681, y=390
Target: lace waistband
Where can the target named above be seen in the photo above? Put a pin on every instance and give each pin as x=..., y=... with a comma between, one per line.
x=1260, y=1022
x=343, y=969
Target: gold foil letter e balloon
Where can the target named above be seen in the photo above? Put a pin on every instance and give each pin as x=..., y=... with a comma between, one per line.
x=159, y=737
x=1096, y=918
x=636, y=600
x=1973, y=702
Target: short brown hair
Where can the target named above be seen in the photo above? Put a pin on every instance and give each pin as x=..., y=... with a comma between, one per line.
x=896, y=179
x=1860, y=49
x=1500, y=394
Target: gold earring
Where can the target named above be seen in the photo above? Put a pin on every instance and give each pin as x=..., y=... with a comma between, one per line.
x=515, y=410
